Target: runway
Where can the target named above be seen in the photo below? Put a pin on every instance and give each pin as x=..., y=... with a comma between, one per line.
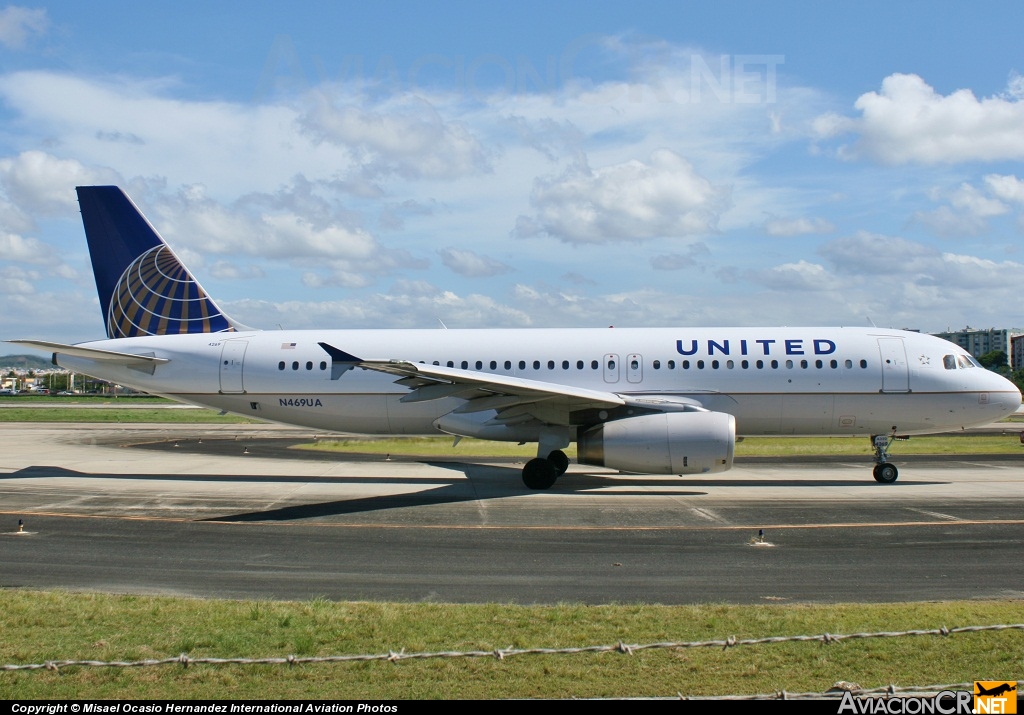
x=119, y=508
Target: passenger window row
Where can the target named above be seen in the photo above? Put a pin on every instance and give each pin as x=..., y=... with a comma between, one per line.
x=759, y=364
x=479, y=365
x=295, y=365
x=948, y=361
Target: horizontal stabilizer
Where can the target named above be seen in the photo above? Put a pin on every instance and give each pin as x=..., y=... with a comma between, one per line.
x=110, y=356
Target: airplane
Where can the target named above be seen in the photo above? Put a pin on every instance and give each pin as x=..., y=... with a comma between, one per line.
x=638, y=400
x=996, y=690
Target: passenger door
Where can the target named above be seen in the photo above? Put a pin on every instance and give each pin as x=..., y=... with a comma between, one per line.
x=895, y=372
x=232, y=357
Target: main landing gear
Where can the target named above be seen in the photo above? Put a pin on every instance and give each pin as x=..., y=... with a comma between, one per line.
x=885, y=472
x=541, y=472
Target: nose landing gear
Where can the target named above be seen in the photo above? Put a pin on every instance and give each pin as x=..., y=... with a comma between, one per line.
x=884, y=472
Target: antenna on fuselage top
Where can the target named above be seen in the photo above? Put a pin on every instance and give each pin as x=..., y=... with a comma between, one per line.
x=442, y=324
x=872, y=322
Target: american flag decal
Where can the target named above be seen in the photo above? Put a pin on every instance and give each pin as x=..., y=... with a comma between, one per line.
x=287, y=346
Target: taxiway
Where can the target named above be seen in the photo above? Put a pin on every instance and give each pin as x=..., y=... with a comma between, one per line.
x=239, y=515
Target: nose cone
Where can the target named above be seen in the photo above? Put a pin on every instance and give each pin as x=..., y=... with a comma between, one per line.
x=1005, y=395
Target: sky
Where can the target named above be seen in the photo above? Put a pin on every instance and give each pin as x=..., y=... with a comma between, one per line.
x=568, y=164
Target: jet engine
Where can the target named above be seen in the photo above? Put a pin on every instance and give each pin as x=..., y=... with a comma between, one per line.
x=665, y=443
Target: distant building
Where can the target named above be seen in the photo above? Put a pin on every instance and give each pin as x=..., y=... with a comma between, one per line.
x=1017, y=352
x=981, y=342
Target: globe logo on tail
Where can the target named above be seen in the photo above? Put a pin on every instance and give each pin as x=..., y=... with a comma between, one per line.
x=156, y=295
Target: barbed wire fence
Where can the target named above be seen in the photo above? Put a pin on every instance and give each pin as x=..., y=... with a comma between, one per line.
x=184, y=660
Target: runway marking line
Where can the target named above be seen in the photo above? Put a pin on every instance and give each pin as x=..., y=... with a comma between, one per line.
x=527, y=527
x=935, y=514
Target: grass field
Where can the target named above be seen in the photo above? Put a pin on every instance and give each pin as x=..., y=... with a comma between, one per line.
x=30, y=399
x=114, y=414
x=749, y=447
x=56, y=625
x=101, y=408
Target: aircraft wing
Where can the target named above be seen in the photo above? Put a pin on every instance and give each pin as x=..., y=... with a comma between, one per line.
x=515, y=399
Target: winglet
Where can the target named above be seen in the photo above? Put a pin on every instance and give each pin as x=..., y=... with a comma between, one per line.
x=341, y=361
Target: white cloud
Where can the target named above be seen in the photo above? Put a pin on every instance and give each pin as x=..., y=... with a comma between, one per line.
x=231, y=271
x=26, y=250
x=869, y=254
x=60, y=315
x=471, y=264
x=631, y=201
x=193, y=219
x=17, y=24
x=969, y=199
x=14, y=281
x=907, y=121
x=235, y=147
x=12, y=218
x=944, y=221
x=677, y=261
x=830, y=124
x=797, y=226
x=15, y=286
x=412, y=141
x=43, y=184
x=319, y=190
x=410, y=304
x=393, y=216
x=799, y=276
x=296, y=235
x=908, y=263
x=65, y=272
x=552, y=138
x=966, y=273
x=672, y=262
x=966, y=214
x=1008, y=188
x=341, y=277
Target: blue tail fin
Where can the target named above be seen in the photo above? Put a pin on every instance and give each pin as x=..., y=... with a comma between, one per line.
x=144, y=289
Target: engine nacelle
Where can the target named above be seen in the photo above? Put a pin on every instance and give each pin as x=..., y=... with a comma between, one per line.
x=666, y=443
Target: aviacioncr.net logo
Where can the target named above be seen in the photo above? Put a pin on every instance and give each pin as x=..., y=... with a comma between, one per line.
x=946, y=702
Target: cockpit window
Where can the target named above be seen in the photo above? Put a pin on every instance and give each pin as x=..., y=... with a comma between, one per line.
x=974, y=362
x=949, y=362
x=963, y=361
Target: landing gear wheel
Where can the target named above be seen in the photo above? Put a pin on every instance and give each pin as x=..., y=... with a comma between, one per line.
x=561, y=462
x=886, y=473
x=539, y=474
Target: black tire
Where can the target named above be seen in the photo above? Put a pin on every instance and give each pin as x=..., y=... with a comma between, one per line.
x=886, y=473
x=561, y=462
x=539, y=474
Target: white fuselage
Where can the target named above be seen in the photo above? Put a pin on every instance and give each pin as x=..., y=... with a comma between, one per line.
x=774, y=381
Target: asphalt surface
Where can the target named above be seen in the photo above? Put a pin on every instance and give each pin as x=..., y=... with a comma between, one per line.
x=239, y=515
